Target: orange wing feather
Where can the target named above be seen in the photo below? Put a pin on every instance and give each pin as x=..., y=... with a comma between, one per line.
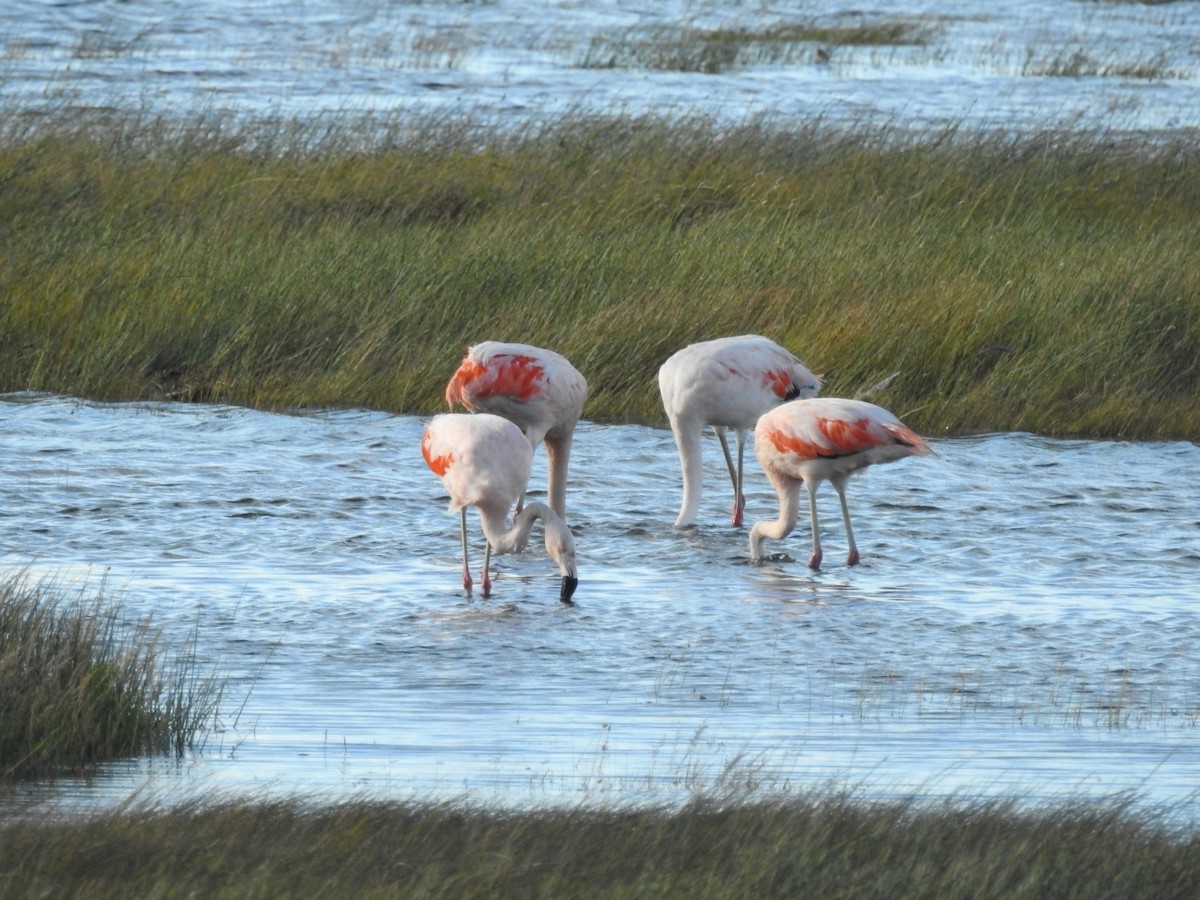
x=841, y=438
x=780, y=382
x=518, y=377
x=439, y=464
x=849, y=437
x=790, y=443
x=905, y=435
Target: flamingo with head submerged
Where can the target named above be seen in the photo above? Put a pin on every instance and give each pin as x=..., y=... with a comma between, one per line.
x=484, y=461
x=825, y=439
x=537, y=389
x=725, y=383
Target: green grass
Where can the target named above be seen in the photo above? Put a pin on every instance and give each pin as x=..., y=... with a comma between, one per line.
x=824, y=847
x=78, y=686
x=1047, y=283
x=719, y=50
x=1080, y=63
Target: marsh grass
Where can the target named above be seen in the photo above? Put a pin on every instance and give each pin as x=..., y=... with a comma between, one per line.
x=832, y=846
x=78, y=686
x=718, y=50
x=1121, y=698
x=1083, y=63
x=1046, y=283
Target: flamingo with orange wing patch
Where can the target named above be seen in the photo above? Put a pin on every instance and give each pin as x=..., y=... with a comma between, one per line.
x=806, y=442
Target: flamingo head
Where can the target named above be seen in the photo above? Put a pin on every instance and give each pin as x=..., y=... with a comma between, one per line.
x=569, y=583
x=560, y=544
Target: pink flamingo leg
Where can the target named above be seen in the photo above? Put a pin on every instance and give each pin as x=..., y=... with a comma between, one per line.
x=487, y=581
x=467, y=583
x=852, y=556
x=735, y=475
x=814, y=561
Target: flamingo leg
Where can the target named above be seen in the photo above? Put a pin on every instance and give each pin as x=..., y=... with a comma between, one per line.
x=852, y=557
x=467, y=583
x=487, y=561
x=814, y=561
x=735, y=473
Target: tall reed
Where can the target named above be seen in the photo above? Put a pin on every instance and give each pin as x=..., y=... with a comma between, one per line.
x=1047, y=283
x=78, y=686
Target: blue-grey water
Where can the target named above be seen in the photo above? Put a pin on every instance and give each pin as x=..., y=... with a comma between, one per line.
x=1009, y=64
x=1025, y=622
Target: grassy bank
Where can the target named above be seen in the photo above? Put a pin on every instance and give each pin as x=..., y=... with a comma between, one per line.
x=1048, y=283
x=831, y=847
x=78, y=686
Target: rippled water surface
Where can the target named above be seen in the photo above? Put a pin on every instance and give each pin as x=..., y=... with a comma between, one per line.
x=1005, y=63
x=1026, y=620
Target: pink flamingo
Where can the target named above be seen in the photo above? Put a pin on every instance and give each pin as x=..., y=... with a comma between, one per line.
x=484, y=461
x=810, y=441
x=538, y=390
x=725, y=383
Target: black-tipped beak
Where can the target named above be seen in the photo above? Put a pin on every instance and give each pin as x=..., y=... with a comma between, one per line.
x=569, y=583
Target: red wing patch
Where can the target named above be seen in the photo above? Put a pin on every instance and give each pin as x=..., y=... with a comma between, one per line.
x=439, y=464
x=842, y=438
x=468, y=373
x=518, y=377
x=790, y=443
x=849, y=437
x=780, y=382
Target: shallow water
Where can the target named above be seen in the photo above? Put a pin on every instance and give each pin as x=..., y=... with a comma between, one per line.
x=1025, y=620
x=979, y=65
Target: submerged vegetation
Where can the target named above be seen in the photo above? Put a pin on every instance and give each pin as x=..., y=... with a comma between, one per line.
x=833, y=847
x=78, y=687
x=713, y=51
x=1048, y=283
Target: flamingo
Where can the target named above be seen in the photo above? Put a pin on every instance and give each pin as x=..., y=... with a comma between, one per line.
x=538, y=390
x=826, y=439
x=484, y=461
x=726, y=383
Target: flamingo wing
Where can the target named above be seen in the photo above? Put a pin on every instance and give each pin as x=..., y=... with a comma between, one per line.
x=835, y=428
x=496, y=370
x=482, y=460
x=767, y=366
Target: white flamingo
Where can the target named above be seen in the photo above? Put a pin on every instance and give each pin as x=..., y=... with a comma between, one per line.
x=825, y=439
x=484, y=461
x=537, y=389
x=725, y=383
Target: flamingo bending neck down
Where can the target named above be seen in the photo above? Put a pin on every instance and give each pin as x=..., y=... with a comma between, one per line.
x=726, y=383
x=484, y=461
x=537, y=389
x=828, y=439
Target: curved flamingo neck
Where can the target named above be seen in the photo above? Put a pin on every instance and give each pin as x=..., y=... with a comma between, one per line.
x=510, y=540
x=788, y=490
x=558, y=457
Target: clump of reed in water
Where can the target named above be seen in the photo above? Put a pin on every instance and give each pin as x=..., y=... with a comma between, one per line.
x=79, y=687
